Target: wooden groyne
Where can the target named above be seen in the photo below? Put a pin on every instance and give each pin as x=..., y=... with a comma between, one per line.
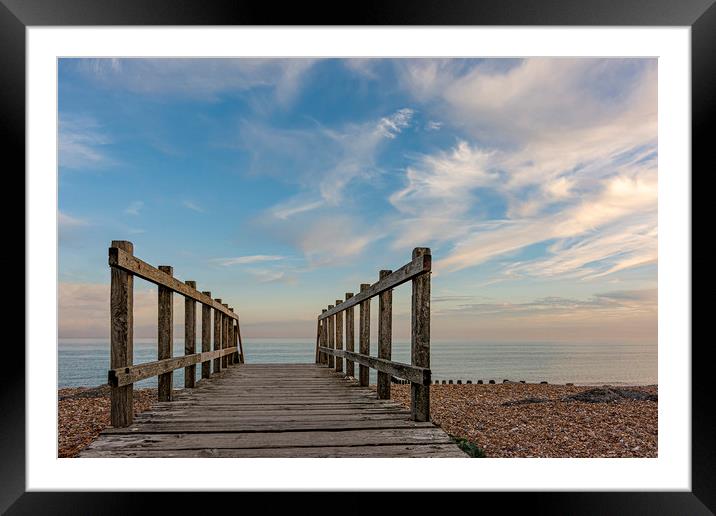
x=270, y=410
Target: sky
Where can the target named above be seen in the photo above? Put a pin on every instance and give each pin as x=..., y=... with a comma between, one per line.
x=281, y=184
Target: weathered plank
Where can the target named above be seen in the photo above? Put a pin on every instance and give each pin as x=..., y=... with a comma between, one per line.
x=165, y=340
x=420, y=338
x=364, y=336
x=419, y=265
x=385, y=336
x=121, y=337
x=190, y=337
x=132, y=374
x=119, y=258
x=414, y=374
x=350, y=337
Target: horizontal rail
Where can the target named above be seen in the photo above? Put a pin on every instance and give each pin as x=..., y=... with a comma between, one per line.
x=125, y=261
x=128, y=375
x=420, y=265
x=414, y=374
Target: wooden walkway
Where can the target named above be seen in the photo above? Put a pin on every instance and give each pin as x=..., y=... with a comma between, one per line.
x=275, y=410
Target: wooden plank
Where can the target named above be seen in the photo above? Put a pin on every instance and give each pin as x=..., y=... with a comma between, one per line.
x=420, y=338
x=414, y=374
x=206, y=337
x=240, y=426
x=350, y=337
x=218, y=324
x=339, y=337
x=177, y=441
x=121, y=259
x=121, y=337
x=190, y=337
x=132, y=374
x=447, y=450
x=331, y=338
x=419, y=265
x=385, y=336
x=364, y=337
x=165, y=340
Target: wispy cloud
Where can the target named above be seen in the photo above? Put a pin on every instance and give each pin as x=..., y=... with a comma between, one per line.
x=134, y=208
x=242, y=260
x=81, y=143
x=66, y=221
x=193, y=206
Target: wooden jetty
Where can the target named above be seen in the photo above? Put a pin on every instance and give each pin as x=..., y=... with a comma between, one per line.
x=271, y=410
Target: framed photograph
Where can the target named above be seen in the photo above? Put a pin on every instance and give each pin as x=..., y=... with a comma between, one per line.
x=217, y=196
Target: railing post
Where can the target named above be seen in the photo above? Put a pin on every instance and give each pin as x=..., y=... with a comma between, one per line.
x=206, y=336
x=385, y=336
x=224, y=337
x=218, y=323
x=190, y=336
x=121, y=337
x=239, y=344
x=364, y=337
x=350, y=337
x=339, y=337
x=420, y=338
x=231, y=338
x=331, y=337
x=165, y=335
x=323, y=358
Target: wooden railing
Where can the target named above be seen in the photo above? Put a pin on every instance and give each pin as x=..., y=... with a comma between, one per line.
x=228, y=349
x=329, y=337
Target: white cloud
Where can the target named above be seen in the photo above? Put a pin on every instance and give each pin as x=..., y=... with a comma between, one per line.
x=134, y=208
x=66, y=221
x=80, y=143
x=202, y=79
x=393, y=125
x=241, y=260
x=193, y=206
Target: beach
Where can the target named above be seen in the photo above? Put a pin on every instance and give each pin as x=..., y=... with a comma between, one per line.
x=502, y=420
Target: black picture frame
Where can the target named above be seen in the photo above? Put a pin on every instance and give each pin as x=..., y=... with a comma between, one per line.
x=700, y=15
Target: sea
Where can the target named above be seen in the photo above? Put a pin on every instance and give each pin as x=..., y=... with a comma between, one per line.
x=84, y=362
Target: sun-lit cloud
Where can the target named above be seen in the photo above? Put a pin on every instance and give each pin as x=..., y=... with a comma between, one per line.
x=242, y=260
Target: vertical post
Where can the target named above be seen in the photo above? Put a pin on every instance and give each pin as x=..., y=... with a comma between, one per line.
x=339, y=337
x=240, y=345
x=324, y=338
x=420, y=337
x=206, y=336
x=318, y=341
x=230, y=337
x=364, y=336
x=190, y=336
x=217, y=336
x=331, y=337
x=385, y=336
x=121, y=300
x=233, y=358
x=350, y=337
x=225, y=337
x=165, y=335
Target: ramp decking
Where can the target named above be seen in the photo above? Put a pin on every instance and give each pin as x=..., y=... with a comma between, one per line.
x=275, y=410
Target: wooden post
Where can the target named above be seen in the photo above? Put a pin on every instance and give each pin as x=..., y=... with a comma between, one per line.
x=339, y=337
x=190, y=336
x=121, y=300
x=224, y=337
x=218, y=323
x=323, y=338
x=239, y=344
x=230, y=339
x=165, y=335
x=420, y=338
x=350, y=337
x=331, y=337
x=206, y=336
x=364, y=336
x=385, y=336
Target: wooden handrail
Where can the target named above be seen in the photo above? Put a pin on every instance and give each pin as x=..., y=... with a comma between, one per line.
x=123, y=373
x=329, y=335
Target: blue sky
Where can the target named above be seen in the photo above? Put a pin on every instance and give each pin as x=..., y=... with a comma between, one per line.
x=280, y=185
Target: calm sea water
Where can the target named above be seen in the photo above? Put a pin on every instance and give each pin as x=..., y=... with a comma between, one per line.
x=84, y=362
